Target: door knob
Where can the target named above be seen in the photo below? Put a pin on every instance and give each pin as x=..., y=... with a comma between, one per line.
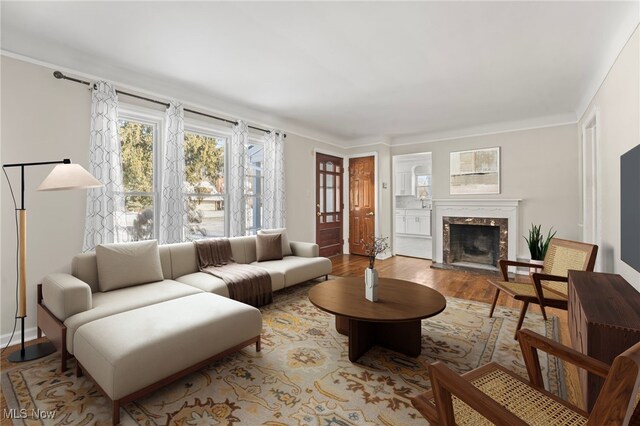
x=370, y=214
x=318, y=214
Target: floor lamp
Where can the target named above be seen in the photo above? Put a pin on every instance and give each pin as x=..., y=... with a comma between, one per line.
x=64, y=176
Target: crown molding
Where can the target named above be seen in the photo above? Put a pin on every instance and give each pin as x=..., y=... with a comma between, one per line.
x=198, y=102
x=369, y=141
x=318, y=136
x=491, y=129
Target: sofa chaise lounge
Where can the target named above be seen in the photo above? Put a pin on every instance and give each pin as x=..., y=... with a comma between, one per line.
x=134, y=353
x=138, y=316
x=67, y=302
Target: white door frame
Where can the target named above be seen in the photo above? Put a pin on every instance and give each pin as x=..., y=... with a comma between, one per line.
x=591, y=224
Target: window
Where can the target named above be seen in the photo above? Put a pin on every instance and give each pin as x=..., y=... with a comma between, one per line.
x=204, y=157
x=254, y=181
x=137, y=141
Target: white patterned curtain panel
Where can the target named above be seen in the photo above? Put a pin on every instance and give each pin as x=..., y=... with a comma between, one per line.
x=274, y=199
x=105, y=219
x=237, y=173
x=173, y=203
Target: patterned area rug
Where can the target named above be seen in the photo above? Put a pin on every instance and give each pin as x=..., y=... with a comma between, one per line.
x=301, y=377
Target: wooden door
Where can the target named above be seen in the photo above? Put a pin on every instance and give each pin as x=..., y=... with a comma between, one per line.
x=329, y=205
x=361, y=203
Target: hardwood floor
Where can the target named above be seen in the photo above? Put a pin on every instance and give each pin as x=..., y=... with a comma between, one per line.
x=460, y=284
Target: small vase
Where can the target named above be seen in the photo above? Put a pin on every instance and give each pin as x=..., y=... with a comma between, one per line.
x=371, y=284
x=536, y=262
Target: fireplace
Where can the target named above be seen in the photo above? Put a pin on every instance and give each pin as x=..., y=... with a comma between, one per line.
x=475, y=242
x=474, y=233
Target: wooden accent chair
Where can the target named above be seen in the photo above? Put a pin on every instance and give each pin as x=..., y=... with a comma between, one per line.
x=492, y=394
x=548, y=288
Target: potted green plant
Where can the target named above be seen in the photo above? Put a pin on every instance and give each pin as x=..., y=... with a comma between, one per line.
x=538, y=243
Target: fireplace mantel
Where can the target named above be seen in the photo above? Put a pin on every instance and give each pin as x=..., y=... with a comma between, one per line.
x=486, y=208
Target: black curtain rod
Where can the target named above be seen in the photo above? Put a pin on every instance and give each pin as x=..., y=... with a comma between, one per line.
x=60, y=76
x=39, y=163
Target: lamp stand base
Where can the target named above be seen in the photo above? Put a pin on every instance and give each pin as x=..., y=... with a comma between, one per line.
x=32, y=352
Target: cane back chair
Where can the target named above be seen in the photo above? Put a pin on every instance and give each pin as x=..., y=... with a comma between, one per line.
x=549, y=287
x=492, y=394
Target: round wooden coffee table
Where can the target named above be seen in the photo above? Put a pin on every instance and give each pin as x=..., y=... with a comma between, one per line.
x=392, y=322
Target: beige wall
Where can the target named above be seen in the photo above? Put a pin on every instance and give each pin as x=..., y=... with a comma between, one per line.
x=46, y=119
x=617, y=103
x=539, y=166
x=42, y=120
x=300, y=160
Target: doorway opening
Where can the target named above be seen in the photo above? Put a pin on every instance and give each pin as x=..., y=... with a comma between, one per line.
x=412, y=194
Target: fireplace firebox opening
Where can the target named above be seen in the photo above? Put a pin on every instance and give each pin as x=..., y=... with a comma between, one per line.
x=474, y=242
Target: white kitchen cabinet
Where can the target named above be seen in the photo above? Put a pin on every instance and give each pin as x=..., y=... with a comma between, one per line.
x=425, y=225
x=413, y=230
x=413, y=224
x=404, y=183
x=418, y=222
x=401, y=224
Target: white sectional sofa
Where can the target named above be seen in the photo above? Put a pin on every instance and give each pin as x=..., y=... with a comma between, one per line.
x=67, y=302
x=121, y=311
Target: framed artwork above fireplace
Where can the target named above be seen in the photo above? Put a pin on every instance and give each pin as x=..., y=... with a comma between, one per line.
x=474, y=172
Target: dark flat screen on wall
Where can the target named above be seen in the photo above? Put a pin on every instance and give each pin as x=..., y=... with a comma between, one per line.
x=630, y=208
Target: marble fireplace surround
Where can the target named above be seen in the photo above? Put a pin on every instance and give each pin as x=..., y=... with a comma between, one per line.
x=474, y=211
x=502, y=224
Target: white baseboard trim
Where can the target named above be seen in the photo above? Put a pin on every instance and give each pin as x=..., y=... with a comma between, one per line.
x=29, y=334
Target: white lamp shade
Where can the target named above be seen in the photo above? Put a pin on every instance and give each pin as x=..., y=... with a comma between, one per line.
x=68, y=176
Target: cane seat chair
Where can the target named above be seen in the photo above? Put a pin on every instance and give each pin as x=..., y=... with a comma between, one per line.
x=492, y=394
x=549, y=287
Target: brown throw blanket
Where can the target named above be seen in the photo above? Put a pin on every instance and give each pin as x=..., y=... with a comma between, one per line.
x=246, y=283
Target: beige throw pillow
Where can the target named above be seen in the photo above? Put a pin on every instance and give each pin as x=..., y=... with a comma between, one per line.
x=127, y=264
x=268, y=247
x=286, y=247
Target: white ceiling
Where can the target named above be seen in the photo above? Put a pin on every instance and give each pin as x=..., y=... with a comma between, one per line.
x=338, y=71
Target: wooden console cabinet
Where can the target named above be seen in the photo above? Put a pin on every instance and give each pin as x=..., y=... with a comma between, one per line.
x=604, y=321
